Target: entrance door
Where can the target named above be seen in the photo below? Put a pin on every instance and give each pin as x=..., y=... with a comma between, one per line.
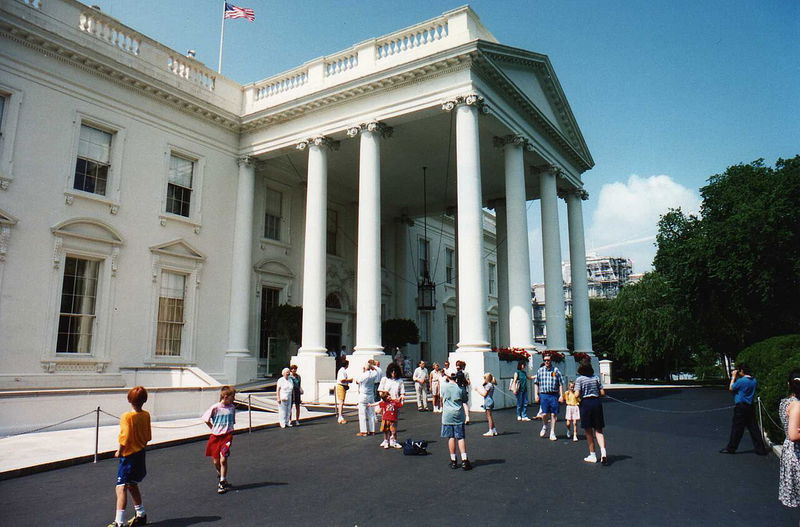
x=333, y=336
x=269, y=350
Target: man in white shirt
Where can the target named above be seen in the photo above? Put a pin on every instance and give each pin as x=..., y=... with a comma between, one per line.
x=366, y=396
x=343, y=380
x=420, y=379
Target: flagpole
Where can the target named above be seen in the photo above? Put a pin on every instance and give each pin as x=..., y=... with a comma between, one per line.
x=221, y=38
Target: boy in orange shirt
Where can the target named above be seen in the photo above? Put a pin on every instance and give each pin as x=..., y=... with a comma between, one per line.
x=134, y=433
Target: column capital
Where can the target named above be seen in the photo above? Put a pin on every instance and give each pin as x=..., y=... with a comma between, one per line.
x=513, y=139
x=547, y=169
x=320, y=141
x=246, y=161
x=471, y=99
x=378, y=127
x=575, y=191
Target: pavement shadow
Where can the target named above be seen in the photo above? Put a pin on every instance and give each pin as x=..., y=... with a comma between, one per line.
x=614, y=459
x=185, y=522
x=509, y=433
x=485, y=462
x=248, y=486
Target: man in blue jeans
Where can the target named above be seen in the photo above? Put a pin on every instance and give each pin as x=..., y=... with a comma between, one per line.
x=743, y=386
x=549, y=392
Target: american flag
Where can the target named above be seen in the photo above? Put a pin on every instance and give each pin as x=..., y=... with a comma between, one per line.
x=232, y=11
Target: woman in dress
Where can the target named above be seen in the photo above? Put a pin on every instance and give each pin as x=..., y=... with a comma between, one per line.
x=436, y=387
x=789, y=409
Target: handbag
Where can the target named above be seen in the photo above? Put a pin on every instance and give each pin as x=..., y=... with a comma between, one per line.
x=514, y=386
x=415, y=448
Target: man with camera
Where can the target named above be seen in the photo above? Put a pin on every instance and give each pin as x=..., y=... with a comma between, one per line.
x=743, y=386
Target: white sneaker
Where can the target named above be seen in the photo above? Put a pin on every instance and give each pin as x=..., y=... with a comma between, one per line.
x=519, y=418
x=574, y=438
x=553, y=437
x=384, y=444
x=525, y=419
x=591, y=458
x=543, y=432
x=489, y=434
x=395, y=444
x=494, y=432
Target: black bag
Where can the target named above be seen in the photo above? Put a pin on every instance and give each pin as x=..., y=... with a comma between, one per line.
x=415, y=448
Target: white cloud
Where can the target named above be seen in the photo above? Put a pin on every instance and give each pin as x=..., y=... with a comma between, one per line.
x=625, y=220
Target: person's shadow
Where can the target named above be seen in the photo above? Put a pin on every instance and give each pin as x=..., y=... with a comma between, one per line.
x=185, y=522
x=248, y=486
x=614, y=459
x=485, y=462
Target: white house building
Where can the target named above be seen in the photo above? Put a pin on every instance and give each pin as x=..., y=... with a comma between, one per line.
x=151, y=210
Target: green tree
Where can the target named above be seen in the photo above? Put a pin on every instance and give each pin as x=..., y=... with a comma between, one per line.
x=287, y=322
x=602, y=342
x=648, y=329
x=397, y=332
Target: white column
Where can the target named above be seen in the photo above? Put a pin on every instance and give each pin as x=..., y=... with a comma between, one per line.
x=240, y=365
x=551, y=249
x=502, y=272
x=314, y=255
x=581, y=319
x=368, y=278
x=519, y=266
x=473, y=322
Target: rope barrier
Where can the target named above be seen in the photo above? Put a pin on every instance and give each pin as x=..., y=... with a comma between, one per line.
x=671, y=411
x=49, y=426
x=158, y=426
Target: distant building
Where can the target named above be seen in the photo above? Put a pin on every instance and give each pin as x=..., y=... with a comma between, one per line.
x=606, y=277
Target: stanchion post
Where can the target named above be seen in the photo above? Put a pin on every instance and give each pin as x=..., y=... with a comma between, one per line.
x=250, y=413
x=96, y=434
x=761, y=421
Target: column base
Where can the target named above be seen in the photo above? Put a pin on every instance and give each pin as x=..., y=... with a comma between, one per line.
x=312, y=369
x=368, y=350
x=312, y=352
x=478, y=363
x=240, y=367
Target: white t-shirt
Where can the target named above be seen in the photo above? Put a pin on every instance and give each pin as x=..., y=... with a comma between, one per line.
x=420, y=374
x=285, y=388
x=366, y=385
x=342, y=375
x=393, y=386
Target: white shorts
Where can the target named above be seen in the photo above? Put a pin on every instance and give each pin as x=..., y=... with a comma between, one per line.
x=573, y=413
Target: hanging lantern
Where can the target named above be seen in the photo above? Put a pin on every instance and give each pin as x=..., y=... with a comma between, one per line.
x=426, y=289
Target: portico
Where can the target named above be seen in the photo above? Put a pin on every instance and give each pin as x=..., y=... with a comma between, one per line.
x=492, y=126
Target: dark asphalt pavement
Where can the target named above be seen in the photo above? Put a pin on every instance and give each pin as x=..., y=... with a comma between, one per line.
x=665, y=470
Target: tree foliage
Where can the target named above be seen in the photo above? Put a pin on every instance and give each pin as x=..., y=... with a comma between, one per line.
x=287, y=322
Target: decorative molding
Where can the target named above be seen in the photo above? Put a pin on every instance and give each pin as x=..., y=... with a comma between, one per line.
x=113, y=209
x=471, y=99
x=74, y=366
x=5, y=238
x=114, y=261
x=245, y=161
x=320, y=141
x=5, y=183
x=548, y=169
x=513, y=139
x=381, y=128
x=58, y=250
x=68, y=199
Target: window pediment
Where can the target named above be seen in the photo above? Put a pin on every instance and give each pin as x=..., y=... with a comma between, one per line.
x=179, y=248
x=7, y=219
x=88, y=229
x=273, y=267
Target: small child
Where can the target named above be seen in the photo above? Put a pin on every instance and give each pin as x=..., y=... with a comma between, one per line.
x=220, y=418
x=134, y=433
x=487, y=391
x=573, y=411
x=388, y=408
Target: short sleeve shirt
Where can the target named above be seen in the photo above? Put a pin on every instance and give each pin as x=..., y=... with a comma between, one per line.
x=744, y=390
x=453, y=399
x=222, y=418
x=549, y=380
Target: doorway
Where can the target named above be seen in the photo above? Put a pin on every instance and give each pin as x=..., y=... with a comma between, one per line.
x=272, y=350
x=333, y=336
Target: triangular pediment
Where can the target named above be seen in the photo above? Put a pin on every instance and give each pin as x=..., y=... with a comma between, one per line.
x=180, y=248
x=7, y=219
x=88, y=229
x=533, y=80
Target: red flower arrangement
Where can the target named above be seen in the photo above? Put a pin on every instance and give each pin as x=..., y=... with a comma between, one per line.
x=580, y=356
x=512, y=354
x=556, y=356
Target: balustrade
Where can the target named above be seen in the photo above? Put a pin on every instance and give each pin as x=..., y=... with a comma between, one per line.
x=193, y=74
x=340, y=64
x=418, y=37
x=107, y=31
x=289, y=82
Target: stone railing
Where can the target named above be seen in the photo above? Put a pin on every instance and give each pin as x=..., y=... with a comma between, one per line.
x=449, y=30
x=107, y=30
x=90, y=28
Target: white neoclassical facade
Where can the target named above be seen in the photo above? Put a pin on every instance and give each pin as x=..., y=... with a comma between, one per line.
x=153, y=211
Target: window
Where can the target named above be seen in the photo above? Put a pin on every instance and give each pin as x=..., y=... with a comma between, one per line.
x=10, y=102
x=78, y=302
x=492, y=269
x=333, y=231
x=93, y=161
x=424, y=335
x=493, y=333
x=449, y=265
x=273, y=215
x=452, y=333
x=171, y=297
x=179, y=185
x=424, y=257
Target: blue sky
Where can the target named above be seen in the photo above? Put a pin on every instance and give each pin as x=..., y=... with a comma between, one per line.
x=667, y=93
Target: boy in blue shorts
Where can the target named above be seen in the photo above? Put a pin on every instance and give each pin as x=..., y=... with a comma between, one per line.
x=454, y=394
x=134, y=433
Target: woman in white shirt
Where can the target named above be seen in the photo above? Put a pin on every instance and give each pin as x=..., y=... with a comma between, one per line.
x=366, y=397
x=283, y=393
x=393, y=383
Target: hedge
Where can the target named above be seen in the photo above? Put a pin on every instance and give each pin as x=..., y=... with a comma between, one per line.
x=770, y=362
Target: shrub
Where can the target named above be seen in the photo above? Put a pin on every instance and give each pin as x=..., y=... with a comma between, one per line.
x=770, y=362
x=397, y=332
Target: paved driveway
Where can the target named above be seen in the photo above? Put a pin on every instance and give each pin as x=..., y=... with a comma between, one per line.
x=665, y=470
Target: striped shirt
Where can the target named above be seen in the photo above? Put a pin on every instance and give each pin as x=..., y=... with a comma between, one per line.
x=588, y=386
x=549, y=379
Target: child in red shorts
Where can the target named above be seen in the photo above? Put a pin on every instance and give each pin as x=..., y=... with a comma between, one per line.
x=388, y=408
x=134, y=433
x=221, y=418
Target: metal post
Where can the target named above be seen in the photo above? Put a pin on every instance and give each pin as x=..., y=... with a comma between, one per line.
x=250, y=412
x=761, y=422
x=96, y=434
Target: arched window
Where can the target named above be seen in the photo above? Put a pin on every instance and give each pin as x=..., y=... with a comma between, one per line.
x=333, y=301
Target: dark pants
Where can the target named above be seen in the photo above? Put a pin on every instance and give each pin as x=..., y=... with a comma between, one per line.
x=744, y=415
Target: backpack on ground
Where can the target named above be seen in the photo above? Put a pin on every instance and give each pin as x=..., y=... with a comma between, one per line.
x=415, y=448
